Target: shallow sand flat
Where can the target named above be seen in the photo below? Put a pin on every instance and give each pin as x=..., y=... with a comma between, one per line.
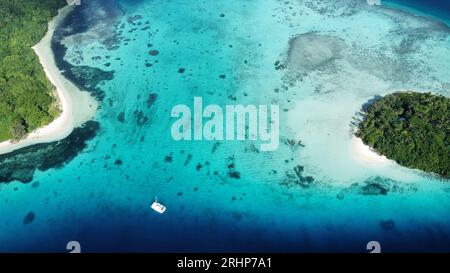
x=329, y=96
x=77, y=106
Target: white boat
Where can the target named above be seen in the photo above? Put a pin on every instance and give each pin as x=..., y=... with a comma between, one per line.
x=158, y=207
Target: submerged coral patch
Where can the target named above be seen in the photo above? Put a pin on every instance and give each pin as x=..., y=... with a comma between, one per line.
x=29, y=218
x=310, y=51
x=21, y=164
x=153, y=52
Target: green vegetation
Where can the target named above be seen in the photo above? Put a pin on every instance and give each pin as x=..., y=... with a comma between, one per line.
x=27, y=100
x=411, y=128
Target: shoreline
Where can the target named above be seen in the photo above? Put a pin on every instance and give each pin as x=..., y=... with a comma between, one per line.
x=76, y=106
x=331, y=149
x=365, y=155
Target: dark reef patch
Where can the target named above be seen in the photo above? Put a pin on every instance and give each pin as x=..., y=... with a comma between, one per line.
x=214, y=147
x=85, y=77
x=378, y=186
x=141, y=118
x=188, y=159
x=293, y=144
x=296, y=177
x=133, y=19
x=374, y=188
x=278, y=65
x=121, y=117
x=232, y=172
x=153, y=52
x=387, y=225
x=335, y=8
x=168, y=158
x=21, y=164
x=29, y=218
x=95, y=21
x=151, y=99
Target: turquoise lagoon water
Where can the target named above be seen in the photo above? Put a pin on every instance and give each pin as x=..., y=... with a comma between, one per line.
x=228, y=196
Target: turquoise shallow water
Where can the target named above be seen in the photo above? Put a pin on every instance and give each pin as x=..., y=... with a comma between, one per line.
x=228, y=50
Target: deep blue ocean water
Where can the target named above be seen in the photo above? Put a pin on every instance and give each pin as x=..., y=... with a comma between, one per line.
x=227, y=51
x=435, y=8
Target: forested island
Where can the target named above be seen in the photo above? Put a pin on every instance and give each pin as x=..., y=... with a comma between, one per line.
x=27, y=98
x=411, y=128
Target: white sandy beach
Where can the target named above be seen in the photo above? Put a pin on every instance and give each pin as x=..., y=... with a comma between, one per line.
x=77, y=107
x=365, y=155
x=331, y=150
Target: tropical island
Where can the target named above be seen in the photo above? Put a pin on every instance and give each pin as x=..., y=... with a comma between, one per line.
x=37, y=103
x=27, y=98
x=411, y=128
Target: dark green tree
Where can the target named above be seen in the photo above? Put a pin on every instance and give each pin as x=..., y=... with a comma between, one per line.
x=18, y=130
